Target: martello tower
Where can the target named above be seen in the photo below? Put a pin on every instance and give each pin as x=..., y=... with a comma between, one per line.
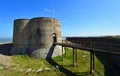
x=36, y=37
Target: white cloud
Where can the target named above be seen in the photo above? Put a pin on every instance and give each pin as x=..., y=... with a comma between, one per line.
x=47, y=10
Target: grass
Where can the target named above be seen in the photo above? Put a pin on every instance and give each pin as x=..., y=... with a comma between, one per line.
x=26, y=62
x=83, y=63
x=23, y=62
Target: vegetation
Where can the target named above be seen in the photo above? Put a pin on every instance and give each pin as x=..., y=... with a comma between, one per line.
x=24, y=62
x=83, y=64
x=26, y=66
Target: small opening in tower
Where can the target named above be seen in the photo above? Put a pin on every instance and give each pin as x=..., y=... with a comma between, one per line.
x=54, y=38
x=38, y=31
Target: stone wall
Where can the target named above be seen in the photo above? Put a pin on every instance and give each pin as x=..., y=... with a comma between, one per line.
x=36, y=37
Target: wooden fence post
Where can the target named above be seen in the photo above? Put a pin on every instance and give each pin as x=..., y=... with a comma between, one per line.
x=73, y=57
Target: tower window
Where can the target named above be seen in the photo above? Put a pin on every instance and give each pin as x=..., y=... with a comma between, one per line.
x=38, y=31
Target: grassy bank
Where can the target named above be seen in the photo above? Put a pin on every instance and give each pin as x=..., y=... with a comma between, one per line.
x=24, y=63
x=26, y=66
x=83, y=65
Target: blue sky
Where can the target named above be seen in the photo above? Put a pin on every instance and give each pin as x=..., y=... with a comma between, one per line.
x=78, y=17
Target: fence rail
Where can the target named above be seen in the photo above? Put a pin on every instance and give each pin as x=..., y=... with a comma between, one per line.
x=92, y=47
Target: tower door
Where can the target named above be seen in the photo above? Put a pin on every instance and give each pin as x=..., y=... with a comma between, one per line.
x=54, y=38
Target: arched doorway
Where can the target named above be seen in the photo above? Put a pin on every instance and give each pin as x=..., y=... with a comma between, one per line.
x=54, y=38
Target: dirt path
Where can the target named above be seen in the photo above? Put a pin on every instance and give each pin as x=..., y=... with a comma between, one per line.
x=5, y=60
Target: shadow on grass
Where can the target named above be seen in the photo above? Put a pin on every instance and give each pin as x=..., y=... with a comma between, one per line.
x=61, y=67
x=82, y=73
x=53, y=63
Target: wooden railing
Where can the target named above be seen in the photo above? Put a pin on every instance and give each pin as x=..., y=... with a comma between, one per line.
x=92, y=47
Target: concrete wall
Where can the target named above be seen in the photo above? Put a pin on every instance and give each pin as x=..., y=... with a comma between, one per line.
x=19, y=35
x=20, y=40
x=41, y=36
x=35, y=37
x=57, y=31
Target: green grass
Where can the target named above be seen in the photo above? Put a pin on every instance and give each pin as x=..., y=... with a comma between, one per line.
x=23, y=62
x=26, y=62
x=83, y=63
x=82, y=69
